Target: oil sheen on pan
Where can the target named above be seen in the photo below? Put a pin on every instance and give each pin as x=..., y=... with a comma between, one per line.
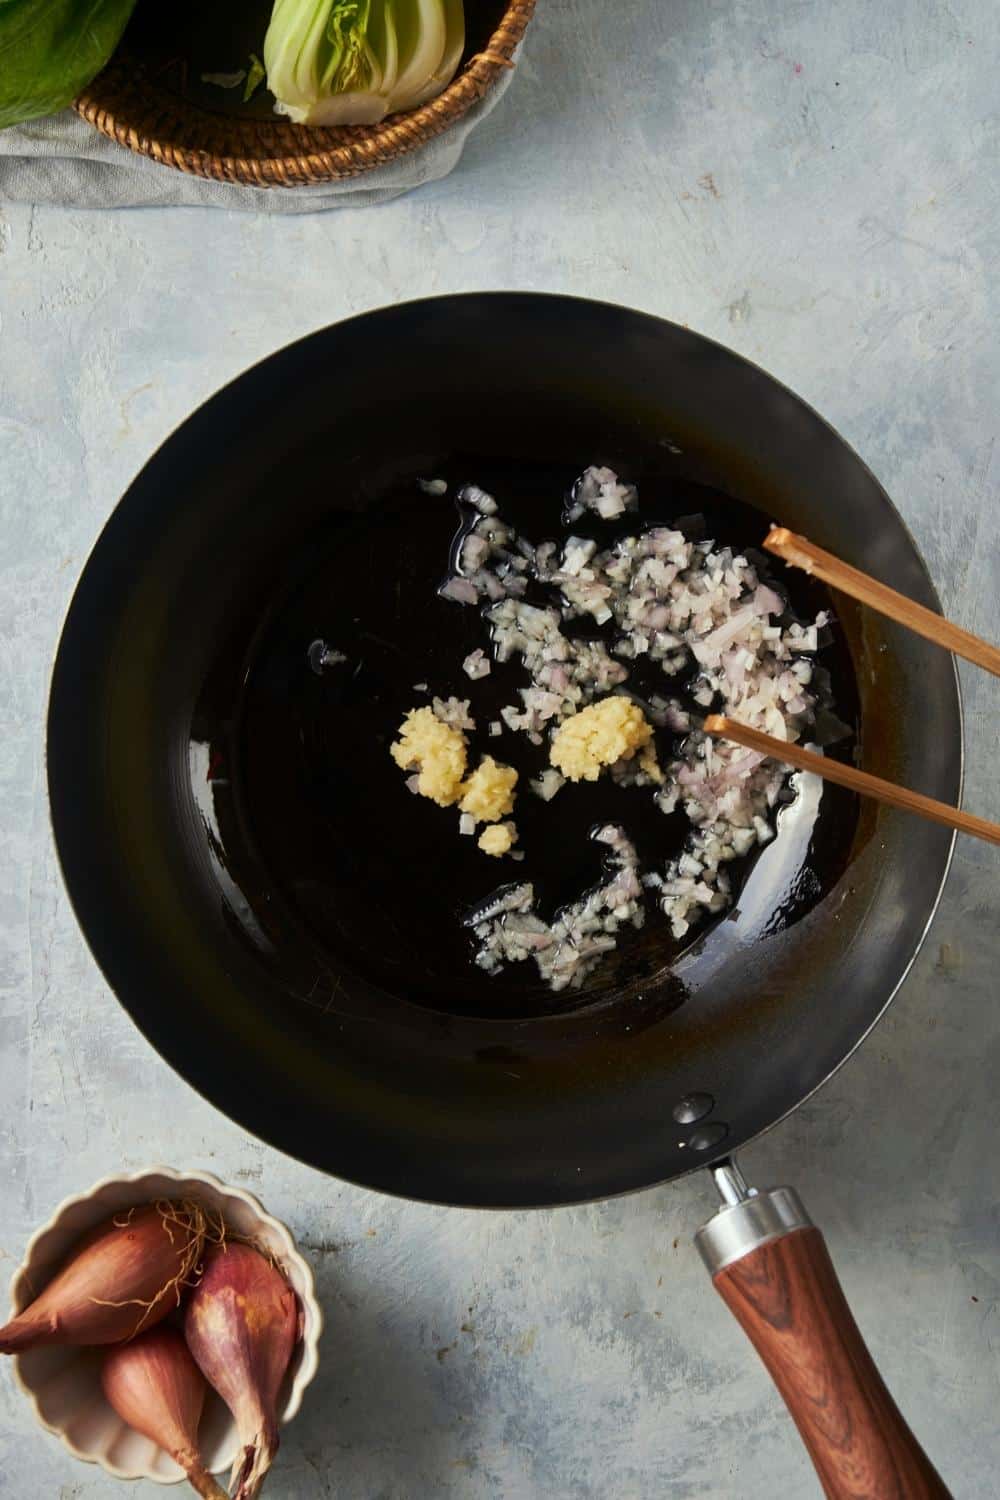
x=302, y=784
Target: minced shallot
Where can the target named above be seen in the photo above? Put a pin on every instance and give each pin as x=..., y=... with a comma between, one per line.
x=453, y=711
x=476, y=665
x=567, y=950
x=701, y=615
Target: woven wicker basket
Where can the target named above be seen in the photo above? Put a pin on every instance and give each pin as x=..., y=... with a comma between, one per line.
x=129, y=103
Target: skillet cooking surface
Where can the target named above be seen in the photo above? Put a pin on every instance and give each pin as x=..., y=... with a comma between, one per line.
x=309, y=801
x=277, y=913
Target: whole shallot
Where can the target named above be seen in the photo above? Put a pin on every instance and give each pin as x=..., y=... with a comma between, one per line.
x=241, y=1325
x=123, y=1276
x=155, y=1386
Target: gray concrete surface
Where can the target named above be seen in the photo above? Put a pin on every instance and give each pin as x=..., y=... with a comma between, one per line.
x=816, y=186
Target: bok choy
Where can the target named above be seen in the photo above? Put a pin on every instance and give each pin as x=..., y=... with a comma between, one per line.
x=352, y=62
x=51, y=49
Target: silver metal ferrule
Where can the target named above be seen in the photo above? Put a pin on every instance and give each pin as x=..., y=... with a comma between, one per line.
x=747, y=1220
x=730, y=1184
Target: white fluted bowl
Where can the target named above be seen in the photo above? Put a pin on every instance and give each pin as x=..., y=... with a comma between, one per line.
x=64, y=1385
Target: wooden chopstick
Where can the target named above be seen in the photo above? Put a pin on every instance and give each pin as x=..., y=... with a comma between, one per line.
x=856, y=781
x=801, y=553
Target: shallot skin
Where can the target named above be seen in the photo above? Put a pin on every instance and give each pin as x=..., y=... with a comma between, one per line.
x=122, y=1277
x=156, y=1364
x=241, y=1325
x=155, y=1386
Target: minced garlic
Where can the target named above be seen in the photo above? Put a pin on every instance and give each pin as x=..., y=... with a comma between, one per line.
x=439, y=752
x=649, y=763
x=489, y=792
x=436, y=750
x=608, y=731
x=498, y=839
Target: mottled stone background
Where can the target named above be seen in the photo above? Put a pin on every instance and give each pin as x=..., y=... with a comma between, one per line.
x=817, y=186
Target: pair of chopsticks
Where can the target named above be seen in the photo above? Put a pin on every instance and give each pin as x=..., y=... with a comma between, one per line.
x=799, y=552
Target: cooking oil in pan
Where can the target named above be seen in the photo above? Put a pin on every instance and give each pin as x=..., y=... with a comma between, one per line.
x=380, y=878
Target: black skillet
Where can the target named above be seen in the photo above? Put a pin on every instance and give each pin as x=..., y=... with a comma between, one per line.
x=281, y=918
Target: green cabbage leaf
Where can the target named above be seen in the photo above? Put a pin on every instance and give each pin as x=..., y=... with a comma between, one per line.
x=352, y=62
x=51, y=49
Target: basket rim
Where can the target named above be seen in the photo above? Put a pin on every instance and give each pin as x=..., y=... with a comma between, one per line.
x=100, y=104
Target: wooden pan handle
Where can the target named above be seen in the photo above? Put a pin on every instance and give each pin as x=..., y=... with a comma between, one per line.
x=785, y=1294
